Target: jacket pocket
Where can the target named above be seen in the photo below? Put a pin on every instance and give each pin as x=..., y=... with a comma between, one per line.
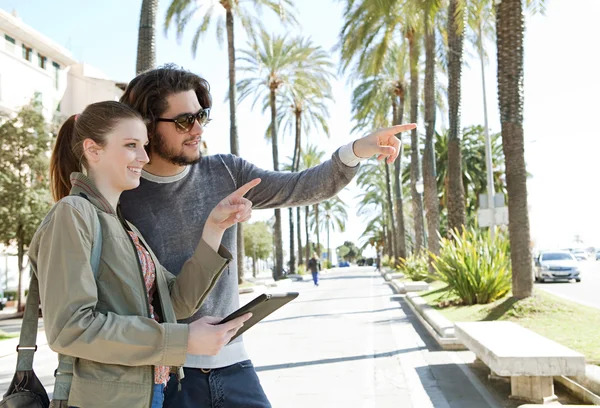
x=88, y=370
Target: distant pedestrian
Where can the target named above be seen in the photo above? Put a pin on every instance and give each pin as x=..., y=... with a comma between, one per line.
x=314, y=264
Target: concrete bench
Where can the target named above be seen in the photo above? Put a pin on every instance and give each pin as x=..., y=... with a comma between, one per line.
x=530, y=360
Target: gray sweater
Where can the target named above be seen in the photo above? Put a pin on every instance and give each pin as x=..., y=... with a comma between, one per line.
x=170, y=212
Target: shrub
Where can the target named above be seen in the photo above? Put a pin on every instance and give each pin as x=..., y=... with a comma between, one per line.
x=327, y=264
x=301, y=270
x=415, y=266
x=475, y=266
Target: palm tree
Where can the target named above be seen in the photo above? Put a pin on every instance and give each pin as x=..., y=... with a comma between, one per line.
x=306, y=109
x=146, y=52
x=336, y=216
x=182, y=11
x=455, y=36
x=375, y=22
x=430, y=9
x=310, y=157
x=510, y=26
x=379, y=100
x=275, y=63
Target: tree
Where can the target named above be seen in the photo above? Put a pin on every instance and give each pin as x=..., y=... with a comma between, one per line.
x=335, y=217
x=310, y=157
x=24, y=185
x=146, y=52
x=510, y=27
x=379, y=100
x=182, y=11
x=371, y=25
x=306, y=110
x=258, y=239
x=430, y=9
x=455, y=36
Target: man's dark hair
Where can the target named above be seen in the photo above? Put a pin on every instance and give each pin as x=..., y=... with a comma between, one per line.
x=147, y=93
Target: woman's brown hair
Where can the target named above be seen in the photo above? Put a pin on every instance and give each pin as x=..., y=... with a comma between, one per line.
x=95, y=122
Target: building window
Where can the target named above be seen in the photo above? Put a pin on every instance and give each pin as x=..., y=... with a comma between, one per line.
x=10, y=43
x=27, y=53
x=56, y=74
x=42, y=61
x=37, y=97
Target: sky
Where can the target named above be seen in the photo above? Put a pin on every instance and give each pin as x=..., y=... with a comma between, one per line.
x=561, y=96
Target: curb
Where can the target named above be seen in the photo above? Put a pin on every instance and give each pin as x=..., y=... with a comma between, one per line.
x=579, y=390
x=440, y=328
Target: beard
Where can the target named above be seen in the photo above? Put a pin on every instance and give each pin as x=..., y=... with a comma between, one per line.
x=158, y=146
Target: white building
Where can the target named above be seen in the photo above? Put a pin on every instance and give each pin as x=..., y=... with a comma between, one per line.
x=32, y=66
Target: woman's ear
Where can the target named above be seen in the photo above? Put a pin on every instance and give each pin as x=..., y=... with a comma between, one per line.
x=91, y=150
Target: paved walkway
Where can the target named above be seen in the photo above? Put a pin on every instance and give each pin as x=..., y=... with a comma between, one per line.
x=348, y=343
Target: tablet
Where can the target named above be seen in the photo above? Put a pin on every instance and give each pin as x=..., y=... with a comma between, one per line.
x=260, y=308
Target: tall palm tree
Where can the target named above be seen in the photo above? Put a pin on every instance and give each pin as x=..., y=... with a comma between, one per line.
x=510, y=26
x=379, y=100
x=274, y=63
x=182, y=11
x=310, y=157
x=378, y=22
x=430, y=9
x=306, y=110
x=334, y=212
x=146, y=52
x=455, y=36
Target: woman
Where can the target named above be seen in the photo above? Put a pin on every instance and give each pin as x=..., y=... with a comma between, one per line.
x=120, y=323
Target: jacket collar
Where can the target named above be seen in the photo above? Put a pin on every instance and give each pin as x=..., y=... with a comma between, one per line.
x=83, y=186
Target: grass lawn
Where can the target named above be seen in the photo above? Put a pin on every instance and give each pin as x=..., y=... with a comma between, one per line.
x=567, y=323
x=4, y=336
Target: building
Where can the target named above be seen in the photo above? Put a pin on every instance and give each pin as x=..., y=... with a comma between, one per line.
x=34, y=67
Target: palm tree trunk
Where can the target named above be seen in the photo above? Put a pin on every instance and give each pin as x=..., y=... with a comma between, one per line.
x=456, y=195
x=146, y=52
x=277, y=235
x=415, y=165
x=510, y=26
x=233, y=137
x=299, y=232
x=307, y=249
x=328, y=249
x=292, y=243
x=401, y=231
x=317, y=228
x=390, y=207
x=432, y=203
x=295, y=165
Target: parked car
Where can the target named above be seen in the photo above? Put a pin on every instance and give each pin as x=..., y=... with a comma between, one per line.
x=556, y=265
x=343, y=264
x=580, y=254
x=3, y=301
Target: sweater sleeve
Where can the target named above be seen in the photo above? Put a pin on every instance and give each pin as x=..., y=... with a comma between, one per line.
x=284, y=189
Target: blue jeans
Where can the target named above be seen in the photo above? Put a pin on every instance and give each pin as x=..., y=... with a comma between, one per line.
x=158, y=396
x=316, y=278
x=228, y=387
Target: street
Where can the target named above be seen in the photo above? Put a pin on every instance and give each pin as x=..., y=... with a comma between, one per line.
x=584, y=292
x=348, y=343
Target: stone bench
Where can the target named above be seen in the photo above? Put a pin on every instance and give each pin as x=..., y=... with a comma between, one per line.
x=530, y=360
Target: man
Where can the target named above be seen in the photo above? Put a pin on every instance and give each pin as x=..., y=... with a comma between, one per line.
x=178, y=189
x=315, y=266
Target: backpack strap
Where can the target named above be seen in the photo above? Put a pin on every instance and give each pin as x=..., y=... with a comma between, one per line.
x=29, y=327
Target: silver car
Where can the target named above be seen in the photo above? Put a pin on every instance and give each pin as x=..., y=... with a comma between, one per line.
x=556, y=265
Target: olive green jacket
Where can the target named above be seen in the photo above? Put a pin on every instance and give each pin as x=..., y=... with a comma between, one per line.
x=104, y=321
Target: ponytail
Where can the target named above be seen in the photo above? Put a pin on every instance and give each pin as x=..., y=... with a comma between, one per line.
x=63, y=161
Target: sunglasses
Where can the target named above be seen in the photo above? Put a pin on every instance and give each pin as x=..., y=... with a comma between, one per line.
x=184, y=123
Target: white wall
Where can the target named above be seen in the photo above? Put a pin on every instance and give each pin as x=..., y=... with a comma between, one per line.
x=85, y=85
x=20, y=79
